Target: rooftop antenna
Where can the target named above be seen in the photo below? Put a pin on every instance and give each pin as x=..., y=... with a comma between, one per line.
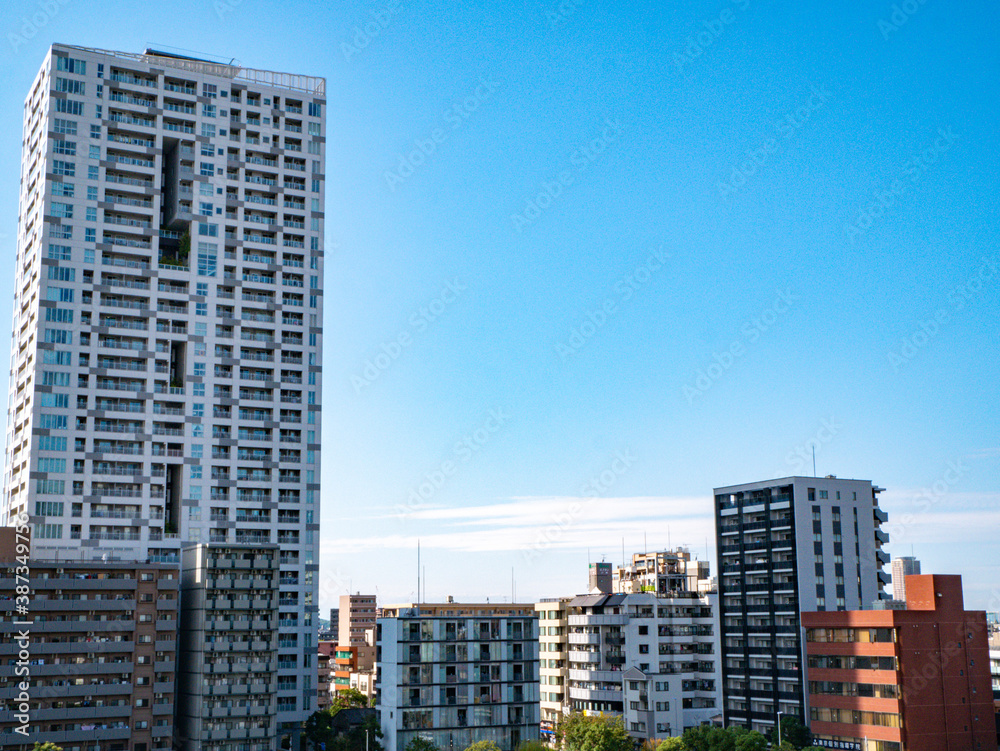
x=623, y=552
x=512, y=585
x=645, y=548
x=418, y=571
x=814, y=461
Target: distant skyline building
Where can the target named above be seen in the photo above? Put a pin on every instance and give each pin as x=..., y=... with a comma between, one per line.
x=356, y=628
x=334, y=629
x=902, y=680
x=165, y=384
x=599, y=578
x=902, y=567
x=786, y=546
x=325, y=672
x=663, y=573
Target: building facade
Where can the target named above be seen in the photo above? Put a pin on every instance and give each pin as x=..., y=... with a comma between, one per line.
x=356, y=625
x=167, y=340
x=664, y=573
x=648, y=652
x=902, y=680
x=553, y=661
x=901, y=568
x=456, y=673
x=325, y=673
x=787, y=546
x=228, y=665
x=102, y=655
x=651, y=659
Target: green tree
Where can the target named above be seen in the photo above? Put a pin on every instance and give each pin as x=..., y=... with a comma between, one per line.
x=794, y=732
x=420, y=744
x=47, y=746
x=348, y=697
x=709, y=738
x=751, y=741
x=578, y=732
x=483, y=746
x=533, y=746
x=317, y=728
x=671, y=744
x=366, y=737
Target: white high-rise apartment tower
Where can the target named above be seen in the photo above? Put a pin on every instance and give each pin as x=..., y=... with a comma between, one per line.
x=167, y=334
x=901, y=568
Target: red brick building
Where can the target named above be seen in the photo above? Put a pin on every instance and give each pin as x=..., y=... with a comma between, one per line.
x=902, y=680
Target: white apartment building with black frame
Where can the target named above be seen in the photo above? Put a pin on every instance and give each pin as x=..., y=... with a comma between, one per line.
x=786, y=546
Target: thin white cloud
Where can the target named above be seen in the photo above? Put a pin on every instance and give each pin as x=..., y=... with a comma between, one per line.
x=545, y=523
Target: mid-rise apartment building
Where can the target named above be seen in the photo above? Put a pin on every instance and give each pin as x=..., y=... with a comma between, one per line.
x=333, y=633
x=902, y=680
x=651, y=659
x=663, y=573
x=102, y=646
x=553, y=659
x=786, y=546
x=167, y=320
x=649, y=652
x=325, y=673
x=228, y=664
x=356, y=625
x=457, y=673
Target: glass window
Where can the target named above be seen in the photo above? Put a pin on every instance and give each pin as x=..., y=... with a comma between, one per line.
x=207, y=258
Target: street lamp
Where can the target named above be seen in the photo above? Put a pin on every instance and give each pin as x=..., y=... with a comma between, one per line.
x=779, y=727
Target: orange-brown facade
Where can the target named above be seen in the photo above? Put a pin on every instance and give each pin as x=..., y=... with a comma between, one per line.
x=902, y=680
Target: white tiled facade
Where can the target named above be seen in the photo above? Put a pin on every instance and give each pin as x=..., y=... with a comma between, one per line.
x=652, y=659
x=165, y=369
x=648, y=653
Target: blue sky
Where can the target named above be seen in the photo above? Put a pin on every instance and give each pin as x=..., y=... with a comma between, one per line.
x=585, y=263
